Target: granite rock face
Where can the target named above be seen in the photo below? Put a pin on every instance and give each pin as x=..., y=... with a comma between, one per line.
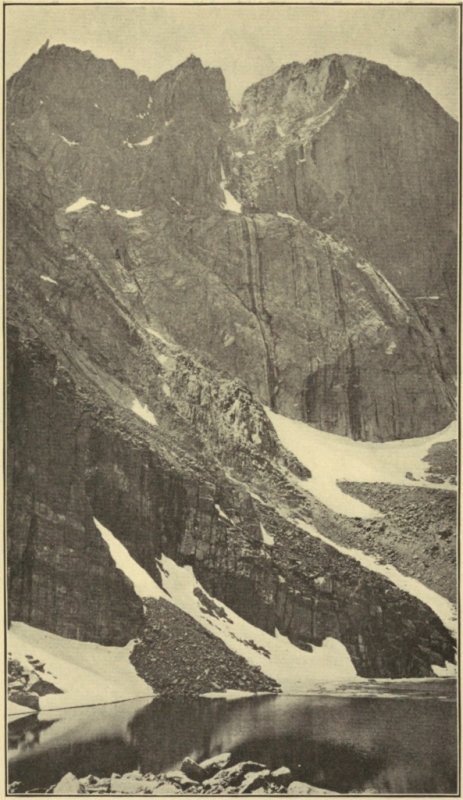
x=366, y=161
x=142, y=345
x=360, y=152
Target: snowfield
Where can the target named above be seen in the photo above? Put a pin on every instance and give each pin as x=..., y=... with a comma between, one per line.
x=87, y=673
x=332, y=458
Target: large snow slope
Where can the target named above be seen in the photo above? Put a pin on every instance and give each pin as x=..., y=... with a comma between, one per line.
x=86, y=672
x=332, y=458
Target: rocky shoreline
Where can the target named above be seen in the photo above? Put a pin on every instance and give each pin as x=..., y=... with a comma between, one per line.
x=216, y=775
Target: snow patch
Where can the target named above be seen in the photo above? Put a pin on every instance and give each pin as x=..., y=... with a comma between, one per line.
x=449, y=671
x=280, y=130
x=87, y=673
x=143, y=412
x=48, y=279
x=71, y=144
x=175, y=201
x=231, y=203
x=105, y=208
x=81, y=203
x=166, y=389
x=145, y=142
x=239, y=154
x=268, y=540
x=143, y=584
x=168, y=122
x=161, y=358
x=221, y=513
x=129, y=214
x=286, y=216
x=242, y=123
x=332, y=458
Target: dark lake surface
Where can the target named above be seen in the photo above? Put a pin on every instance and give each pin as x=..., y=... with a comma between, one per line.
x=390, y=737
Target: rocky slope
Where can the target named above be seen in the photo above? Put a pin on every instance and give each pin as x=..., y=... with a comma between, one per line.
x=145, y=329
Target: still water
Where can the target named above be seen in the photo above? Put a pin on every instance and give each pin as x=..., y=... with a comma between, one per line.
x=390, y=737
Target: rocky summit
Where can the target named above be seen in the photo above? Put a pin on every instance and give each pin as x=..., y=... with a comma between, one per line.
x=177, y=270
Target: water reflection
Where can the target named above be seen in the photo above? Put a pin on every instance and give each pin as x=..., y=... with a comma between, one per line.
x=401, y=744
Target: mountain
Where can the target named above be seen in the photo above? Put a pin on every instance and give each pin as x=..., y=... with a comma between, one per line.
x=175, y=266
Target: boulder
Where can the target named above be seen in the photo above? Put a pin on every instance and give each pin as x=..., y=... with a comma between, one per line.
x=212, y=765
x=180, y=779
x=25, y=699
x=233, y=776
x=165, y=788
x=255, y=780
x=69, y=784
x=298, y=787
x=193, y=771
x=282, y=776
x=128, y=785
x=45, y=687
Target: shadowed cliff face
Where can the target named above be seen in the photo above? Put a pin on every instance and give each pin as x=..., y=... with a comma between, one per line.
x=193, y=315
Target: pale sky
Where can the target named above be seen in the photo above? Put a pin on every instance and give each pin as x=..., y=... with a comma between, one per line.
x=248, y=42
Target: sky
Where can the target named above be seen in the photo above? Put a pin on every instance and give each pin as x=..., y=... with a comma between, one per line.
x=248, y=42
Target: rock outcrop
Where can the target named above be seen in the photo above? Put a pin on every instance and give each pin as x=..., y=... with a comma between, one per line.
x=360, y=152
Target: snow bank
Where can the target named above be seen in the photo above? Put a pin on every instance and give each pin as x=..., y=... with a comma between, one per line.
x=81, y=203
x=71, y=144
x=48, y=279
x=221, y=513
x=296, y=670
x=333, y=458
x=143, y=412
x=286, y=216
x=267, y=539
x=145, y=142
x=129, y=214
x=86, y=672
x=15, y=710
x=143, y=584
x=231, y=203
